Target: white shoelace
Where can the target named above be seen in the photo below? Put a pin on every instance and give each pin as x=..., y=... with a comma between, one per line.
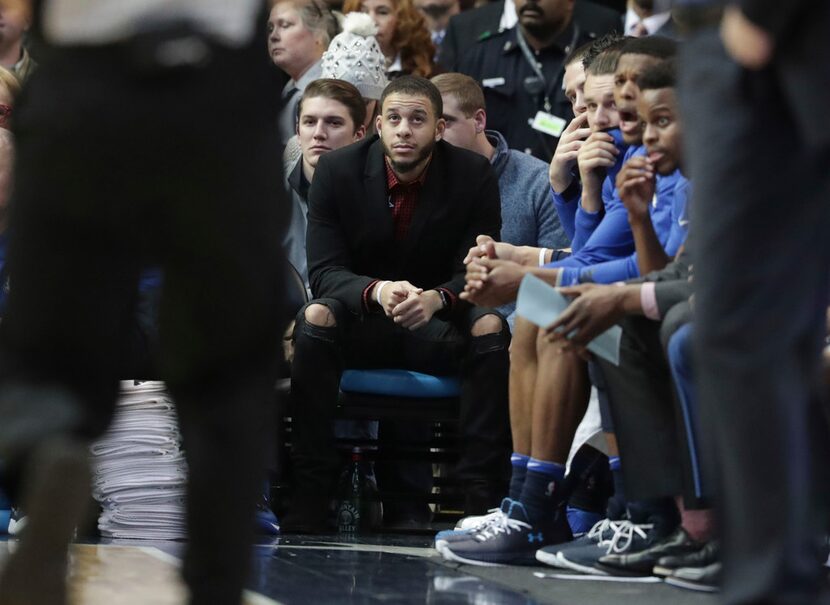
x=486, y=520
x=625, y=534
x=599, y=529
x=500, y=525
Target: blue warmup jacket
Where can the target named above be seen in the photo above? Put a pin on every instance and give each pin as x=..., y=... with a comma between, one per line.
x=669, y=215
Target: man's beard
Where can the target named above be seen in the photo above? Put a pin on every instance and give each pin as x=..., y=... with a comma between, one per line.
x=549, y=25
x=404, y=167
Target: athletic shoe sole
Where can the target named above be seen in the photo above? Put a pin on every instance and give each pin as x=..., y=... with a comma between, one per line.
x=561, y=562
x=451, y=556
x=56, y=498
x=662, y=572
x=620, y=572
x=547, y=558
x=689, y=585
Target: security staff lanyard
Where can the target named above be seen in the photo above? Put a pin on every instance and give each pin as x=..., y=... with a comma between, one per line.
x=537, y=69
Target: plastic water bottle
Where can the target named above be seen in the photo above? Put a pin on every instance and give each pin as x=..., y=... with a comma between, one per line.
x=350, y=504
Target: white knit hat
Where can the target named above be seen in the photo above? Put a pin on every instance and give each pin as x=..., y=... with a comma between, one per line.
x=354, y=56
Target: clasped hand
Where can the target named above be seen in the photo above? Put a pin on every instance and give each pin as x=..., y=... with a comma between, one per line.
x=493, y=278
x=407, y=305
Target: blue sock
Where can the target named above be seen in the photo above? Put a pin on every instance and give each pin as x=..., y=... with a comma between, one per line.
x=581, y=521
x=517, y=479
x=540, y=494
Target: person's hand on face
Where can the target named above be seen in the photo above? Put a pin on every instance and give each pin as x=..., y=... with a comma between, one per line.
x=636, y=184
x=596, y=155
x=567, y=151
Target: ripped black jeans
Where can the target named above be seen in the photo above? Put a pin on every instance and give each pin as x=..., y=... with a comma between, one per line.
x=374, y=341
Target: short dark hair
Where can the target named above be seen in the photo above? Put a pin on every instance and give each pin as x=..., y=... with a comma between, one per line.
x=337, y=90
x=659, y=75
x=658, y=47
x=607, y=43
x=466, y=91
x=415, y=86
x=579, y=53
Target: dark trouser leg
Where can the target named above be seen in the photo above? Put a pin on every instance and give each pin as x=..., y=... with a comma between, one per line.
x=225, y=463
x=639, y=390
x=485, y=417
x=405, y=476
x=72, y=276
x=759, y=320
x=222, y=315
x=315, y=383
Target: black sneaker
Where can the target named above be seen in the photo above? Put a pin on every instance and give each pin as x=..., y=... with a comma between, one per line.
x=642, y=562
x=512, y=541
x=582, y=554
x=700, y=579
x=629, y=538
x=57, y=472
x=707, y=555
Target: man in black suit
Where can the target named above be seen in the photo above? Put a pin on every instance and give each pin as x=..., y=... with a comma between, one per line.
x=390, y=221
x=521, y=70
x=756, y=87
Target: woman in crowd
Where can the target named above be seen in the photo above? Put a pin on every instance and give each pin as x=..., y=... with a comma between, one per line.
x=299, y=32
x=354, y=56
x=402, y=35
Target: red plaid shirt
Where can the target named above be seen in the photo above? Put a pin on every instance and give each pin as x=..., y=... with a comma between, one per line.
x=403, y=198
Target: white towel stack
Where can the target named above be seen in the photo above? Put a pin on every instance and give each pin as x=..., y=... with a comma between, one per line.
x=139, y=470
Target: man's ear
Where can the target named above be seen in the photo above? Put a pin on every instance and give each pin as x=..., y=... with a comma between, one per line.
x=359, y=133
x=480, y=119
x=440, y=126
x=378, y=122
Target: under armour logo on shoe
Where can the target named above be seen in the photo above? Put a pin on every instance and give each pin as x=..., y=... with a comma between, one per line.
x=550, y=489
x=531, y=538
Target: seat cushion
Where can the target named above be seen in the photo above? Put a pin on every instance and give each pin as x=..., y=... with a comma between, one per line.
x=399, y=383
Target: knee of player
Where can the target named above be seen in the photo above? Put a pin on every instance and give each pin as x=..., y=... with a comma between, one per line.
x=487, y=324
x=320, y=316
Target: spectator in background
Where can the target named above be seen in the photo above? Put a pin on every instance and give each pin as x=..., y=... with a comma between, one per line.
x=527, y=216
x=299, y=32
x=9, y=89
x=332, y=113
x=354, y=56
x=402, y=35
x=6, y=163
x=15, y=20
x=642, y=19
x=437, y=14
x=525, y=99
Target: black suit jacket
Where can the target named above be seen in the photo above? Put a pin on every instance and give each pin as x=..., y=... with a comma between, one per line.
x=351, y=241
x=466, y=28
